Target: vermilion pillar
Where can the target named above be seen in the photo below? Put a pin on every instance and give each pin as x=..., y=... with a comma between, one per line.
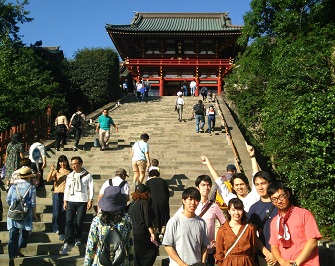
x=219, y=85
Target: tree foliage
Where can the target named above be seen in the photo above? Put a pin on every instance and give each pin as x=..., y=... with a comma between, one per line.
x=10, y=16
x=95, y=72
x=25, y=88
x=284, y=92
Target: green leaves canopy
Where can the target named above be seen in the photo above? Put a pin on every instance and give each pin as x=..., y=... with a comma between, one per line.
x=96, y=73
x=284, y=93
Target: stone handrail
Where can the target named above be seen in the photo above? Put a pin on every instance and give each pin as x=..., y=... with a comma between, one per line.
x=229, y=136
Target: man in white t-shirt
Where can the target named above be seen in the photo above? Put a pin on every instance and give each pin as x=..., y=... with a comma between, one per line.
x=185, y=238
x=118, y=180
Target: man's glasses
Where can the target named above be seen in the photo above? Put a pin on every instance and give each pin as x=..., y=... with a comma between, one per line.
x=280, y=197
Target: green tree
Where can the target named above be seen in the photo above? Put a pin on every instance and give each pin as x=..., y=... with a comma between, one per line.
x=283, y=89
x=10, y=15
x=95, y=73
x=25, y=88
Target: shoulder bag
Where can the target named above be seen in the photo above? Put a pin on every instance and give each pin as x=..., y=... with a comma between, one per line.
x=231, y=248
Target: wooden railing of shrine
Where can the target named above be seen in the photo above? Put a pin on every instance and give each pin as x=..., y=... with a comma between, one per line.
x=39, y=125
x=179, y=62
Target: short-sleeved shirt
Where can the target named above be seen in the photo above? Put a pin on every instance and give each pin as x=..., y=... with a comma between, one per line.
x=83, y=118
x=302, y=227
x=213, y=213
x=140, y=148
x=180, y=101
x=187, y=236
x=41, y=148
x=116, y=181
x=257, y=213
x=105, y=122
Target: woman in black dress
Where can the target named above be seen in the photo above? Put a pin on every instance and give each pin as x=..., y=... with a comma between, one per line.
x=144, y=235
x=159, y=201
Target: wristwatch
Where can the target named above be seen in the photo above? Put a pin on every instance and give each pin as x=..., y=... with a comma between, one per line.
x=294, y=264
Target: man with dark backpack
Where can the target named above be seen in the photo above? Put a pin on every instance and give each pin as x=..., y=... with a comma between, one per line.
x=118, y=180
x=77, y=124
x=198, y=112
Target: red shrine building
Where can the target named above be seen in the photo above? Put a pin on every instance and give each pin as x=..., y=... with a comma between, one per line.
x=171, y=49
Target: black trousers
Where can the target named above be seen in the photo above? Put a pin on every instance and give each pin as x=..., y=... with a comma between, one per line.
x=145, y=250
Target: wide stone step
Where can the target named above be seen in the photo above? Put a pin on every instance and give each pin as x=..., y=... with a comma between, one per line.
x=176, y=145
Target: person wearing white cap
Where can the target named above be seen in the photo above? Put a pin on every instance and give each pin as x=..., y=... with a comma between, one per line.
x=113, y=215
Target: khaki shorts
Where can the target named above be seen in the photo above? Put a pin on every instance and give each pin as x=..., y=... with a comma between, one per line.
x=139, y=166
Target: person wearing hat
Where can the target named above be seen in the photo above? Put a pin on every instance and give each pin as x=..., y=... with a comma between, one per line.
x=113, y=214
x=19, y=230
x=144, y=235
x=118, y=180
x=215, y=195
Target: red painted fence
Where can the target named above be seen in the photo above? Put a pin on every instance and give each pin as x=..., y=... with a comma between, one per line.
x=40, y=125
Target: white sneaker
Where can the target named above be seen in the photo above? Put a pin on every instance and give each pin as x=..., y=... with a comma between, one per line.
x=61, y=237
x=66, y=248
x=77, y=242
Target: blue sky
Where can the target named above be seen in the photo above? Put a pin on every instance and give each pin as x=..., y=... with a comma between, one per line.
x=78, y=24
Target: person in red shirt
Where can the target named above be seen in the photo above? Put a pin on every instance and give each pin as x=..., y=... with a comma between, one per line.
x=294, y=232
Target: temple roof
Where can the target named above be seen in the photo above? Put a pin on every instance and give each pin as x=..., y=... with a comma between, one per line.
x=181, y=22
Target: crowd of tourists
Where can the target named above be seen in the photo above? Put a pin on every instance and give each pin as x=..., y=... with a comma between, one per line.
x=227, y=222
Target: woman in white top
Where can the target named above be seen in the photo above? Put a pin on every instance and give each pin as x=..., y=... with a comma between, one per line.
x=179, y=106
x=62, y=126
x=240, y=183
x=210, y=112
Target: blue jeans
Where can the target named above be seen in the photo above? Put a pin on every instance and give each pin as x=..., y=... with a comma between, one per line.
x=198, y=119
x=17, y=239
x=58, y=213
x=77, y=136
x=211, y=123
x=185, y=90
x=193, y=91
x=74, y=229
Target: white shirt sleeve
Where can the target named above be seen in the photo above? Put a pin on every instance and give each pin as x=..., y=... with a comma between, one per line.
x=224, y=191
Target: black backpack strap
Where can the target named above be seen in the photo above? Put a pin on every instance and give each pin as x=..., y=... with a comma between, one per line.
x=267, y=216
x=122, y=183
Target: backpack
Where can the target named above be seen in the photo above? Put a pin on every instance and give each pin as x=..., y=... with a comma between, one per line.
x=76, y=120
x=121, y=184
x=113, y=249
x=19, y=210
x=219, y=200
x=199, y=109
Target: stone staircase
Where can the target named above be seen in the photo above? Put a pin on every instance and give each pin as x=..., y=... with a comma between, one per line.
x=175, y=144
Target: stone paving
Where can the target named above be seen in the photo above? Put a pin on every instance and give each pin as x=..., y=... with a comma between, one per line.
x=175, y=144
